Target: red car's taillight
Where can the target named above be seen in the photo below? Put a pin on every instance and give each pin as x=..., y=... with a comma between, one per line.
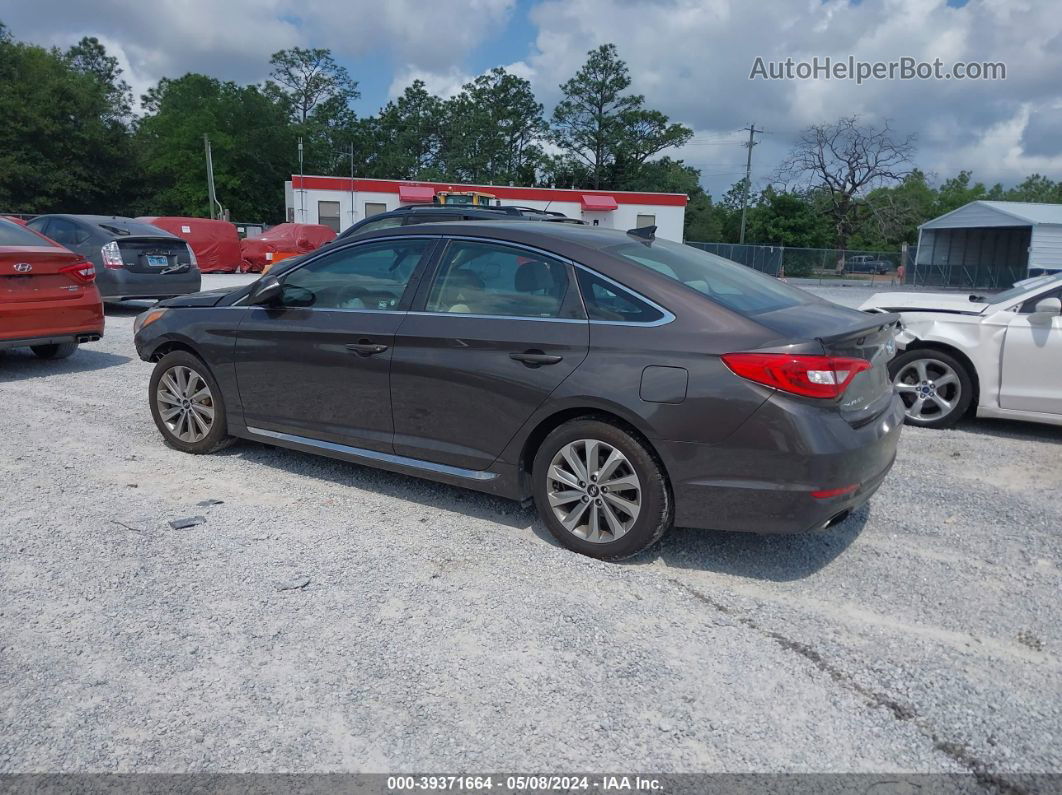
x=798, y=374
x=82, y=272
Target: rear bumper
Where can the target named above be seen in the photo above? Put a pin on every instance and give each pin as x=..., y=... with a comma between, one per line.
x=54, y=340
x=27, y=323
x=762, y=479
x=121, y=285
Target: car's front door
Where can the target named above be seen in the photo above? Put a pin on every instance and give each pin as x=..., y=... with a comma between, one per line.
x=494, y=333
x=318, y=364
x=1031, y=378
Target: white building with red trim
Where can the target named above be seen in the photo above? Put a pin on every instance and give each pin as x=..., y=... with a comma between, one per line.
x=341, y=201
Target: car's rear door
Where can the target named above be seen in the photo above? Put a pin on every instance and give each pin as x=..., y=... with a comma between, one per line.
x=317, y=367
x=1031, y=378
x=492, y=334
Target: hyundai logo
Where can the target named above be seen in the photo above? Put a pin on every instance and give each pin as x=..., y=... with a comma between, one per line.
x=23, y=267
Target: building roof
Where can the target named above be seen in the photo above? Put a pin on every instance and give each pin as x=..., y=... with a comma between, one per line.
x=506, y=192
x=992, y=213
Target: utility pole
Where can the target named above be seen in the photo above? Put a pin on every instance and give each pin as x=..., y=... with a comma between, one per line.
x=302, y=187
x=210, y=176
x=748, y=177
x=351, y=183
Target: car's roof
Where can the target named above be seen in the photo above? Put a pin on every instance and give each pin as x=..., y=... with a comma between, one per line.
x=590, y=236
x=131, y=225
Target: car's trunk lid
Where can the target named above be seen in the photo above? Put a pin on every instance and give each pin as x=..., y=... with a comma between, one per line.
x=144, y=254
x=852, y=334
x=33, y=273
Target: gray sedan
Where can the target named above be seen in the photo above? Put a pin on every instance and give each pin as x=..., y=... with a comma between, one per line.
x=133, y=259
x=621, y=382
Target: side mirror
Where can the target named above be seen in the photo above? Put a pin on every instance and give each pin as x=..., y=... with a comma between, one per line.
x=266, y=291
x=1049, y=306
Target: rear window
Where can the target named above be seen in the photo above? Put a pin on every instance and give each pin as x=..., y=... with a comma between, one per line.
x=723, y=281
x=12, y=234
x=120, y=228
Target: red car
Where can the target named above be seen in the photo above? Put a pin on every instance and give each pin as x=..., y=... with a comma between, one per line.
x=48, y=300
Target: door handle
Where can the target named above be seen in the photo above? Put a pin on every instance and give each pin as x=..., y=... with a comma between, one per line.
x=366, y=348
x=535, y=358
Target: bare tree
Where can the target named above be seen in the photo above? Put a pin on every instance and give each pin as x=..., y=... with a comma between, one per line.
x=844, y=161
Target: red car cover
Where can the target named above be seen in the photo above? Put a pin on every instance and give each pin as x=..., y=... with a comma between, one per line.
x=286, y=239
x=215, y=243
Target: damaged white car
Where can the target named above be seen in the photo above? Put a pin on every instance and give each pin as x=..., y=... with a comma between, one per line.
x=1000, y=354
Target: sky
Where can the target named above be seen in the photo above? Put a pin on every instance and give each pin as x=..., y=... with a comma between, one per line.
x=690, y=58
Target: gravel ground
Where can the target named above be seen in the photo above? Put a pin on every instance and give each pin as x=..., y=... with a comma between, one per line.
x=330, y=617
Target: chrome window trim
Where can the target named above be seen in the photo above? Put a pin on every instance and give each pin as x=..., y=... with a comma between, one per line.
x=668, y=316
x=373, y=455
x=498, y=317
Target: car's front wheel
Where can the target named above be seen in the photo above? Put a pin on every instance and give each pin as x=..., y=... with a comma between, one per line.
x=187, y=405
x=600, y=491
x=57, y=350
x=935, y=387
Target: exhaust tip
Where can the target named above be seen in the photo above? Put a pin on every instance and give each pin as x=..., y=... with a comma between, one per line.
x=836, y=519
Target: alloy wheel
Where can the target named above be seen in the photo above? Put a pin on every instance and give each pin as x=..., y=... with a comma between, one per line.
x=594, y=491
x=185, y=403
x=930, y=389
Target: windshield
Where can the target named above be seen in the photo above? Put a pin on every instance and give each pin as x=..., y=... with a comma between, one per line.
x=1020, y=288
x=734, y=286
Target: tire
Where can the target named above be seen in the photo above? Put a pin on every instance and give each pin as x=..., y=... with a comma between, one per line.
x=939, y=380
x=602, y=529
x=178, y=378
x=57, y=350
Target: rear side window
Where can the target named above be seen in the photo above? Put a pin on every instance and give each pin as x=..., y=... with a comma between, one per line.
x=489, y=279
x=66, y=232
x=609, y=302
x=11, y=234
x=725, y=282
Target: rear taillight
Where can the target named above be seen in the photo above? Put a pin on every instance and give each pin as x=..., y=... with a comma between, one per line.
x=809, y=376
x=112, y=257
x=82, y=272
x=191, y=257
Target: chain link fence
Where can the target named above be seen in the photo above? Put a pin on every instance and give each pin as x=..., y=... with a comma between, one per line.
x=824, y=263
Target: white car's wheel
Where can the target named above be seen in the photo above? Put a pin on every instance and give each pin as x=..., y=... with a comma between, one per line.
x=935, y=387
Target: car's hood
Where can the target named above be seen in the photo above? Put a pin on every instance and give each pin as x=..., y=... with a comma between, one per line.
x=205, y=298
x=924, y=302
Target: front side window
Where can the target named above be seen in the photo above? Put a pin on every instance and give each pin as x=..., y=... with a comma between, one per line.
x=1029, y=306
x=608, y=302
x=490, y=279
x=373, y=276
x=734, y=286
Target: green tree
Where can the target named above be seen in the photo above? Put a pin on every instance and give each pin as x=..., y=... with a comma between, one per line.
x=252, y=141
x=61, y=146
x=89, y=57
x=493, y=130
x=407, y=136
x=609, y=131
x=310, y=78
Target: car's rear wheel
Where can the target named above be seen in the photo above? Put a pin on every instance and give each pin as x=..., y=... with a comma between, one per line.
x=600, y=491
x=57, y=350
x=935, y=387
x=187, y=405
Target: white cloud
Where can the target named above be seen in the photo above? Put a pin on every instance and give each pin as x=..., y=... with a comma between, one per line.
x=692, y=58
x=443, y=84
x=233, y=40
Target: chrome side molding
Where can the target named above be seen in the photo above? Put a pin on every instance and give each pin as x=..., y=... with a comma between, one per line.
x=373, y=455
